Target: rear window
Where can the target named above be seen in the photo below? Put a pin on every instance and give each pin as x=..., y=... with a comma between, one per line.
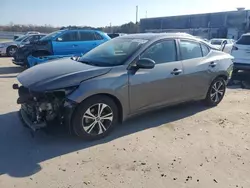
x=216, y=42
x=244, y=40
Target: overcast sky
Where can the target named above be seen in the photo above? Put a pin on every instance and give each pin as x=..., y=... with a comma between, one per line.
x=103, y=12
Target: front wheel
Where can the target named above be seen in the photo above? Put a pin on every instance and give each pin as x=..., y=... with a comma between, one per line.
x=95, y=118
x=11, y=50
x=216, y=92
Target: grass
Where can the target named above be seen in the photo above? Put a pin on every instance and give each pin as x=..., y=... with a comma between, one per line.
x=4, y=40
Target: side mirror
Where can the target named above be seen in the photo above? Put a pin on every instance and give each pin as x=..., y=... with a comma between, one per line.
x=145, y=63
x=59, y=39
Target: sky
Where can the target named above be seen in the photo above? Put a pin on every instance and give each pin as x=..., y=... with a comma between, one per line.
x=100, y=13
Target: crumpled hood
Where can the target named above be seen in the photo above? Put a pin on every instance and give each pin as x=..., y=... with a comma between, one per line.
x=59, y=74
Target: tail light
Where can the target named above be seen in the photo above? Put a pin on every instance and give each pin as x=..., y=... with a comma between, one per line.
x=235, y=48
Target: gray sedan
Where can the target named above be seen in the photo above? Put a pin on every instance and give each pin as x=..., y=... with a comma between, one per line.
x=123, y=77
x=9, y=48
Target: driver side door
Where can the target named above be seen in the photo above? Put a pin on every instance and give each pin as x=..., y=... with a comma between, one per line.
x=66, y=44
x=162, y=85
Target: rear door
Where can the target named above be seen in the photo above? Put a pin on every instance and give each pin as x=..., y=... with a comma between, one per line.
x=66, y=44
x=197, y=66
x=87, y=41
x=241, y=50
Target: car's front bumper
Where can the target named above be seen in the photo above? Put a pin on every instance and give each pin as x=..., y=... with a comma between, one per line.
x=3, y=51
x=65, y=120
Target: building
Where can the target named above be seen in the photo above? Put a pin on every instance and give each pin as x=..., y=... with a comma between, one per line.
x=210, y=25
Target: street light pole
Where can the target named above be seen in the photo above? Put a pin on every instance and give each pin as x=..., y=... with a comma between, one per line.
x=136, y=21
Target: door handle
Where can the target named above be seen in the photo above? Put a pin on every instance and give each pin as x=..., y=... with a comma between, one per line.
x=176, y=72
x=213, y=64
x=74, y=45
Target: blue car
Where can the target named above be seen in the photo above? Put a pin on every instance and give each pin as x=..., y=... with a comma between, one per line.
x=71, y=41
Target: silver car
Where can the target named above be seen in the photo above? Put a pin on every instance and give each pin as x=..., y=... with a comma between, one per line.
x=123, y=77
x=9, y=48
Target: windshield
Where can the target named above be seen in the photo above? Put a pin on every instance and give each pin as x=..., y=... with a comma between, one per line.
x=19, y=39
x=216, y=42
x=51, y=36
x=112, y=53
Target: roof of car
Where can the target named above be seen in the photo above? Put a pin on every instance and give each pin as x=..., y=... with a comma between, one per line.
x=152, y=36
x=36, y=34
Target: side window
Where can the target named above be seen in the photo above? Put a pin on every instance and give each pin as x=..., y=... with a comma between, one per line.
x=40, y=36
x=205, y=50
x=86, y=36
x=98, y=36
x=68, y=36
x=161, y=52
x=190, y=50
x=28, y=39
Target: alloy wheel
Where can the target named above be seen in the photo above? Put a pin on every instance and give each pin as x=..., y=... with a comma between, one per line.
x=217, y=91
x=12, y=51
x=97, y=119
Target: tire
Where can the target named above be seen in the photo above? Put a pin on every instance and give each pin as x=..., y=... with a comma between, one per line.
x=11, y=50
x=83, y=118
x=211, y=98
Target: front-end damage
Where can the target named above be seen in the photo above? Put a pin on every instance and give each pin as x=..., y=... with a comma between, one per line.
x=43, y=109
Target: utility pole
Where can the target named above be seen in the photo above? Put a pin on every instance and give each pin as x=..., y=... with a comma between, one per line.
x=110, y=25
x=136, y=21
x=146, y=14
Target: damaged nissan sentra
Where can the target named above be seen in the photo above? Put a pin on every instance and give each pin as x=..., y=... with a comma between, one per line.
x=121, y=78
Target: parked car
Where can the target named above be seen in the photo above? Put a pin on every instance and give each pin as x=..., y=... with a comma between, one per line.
x=62, y=42
x=241, y=53
x=123, y=77
x=27, y=33
x=219, y=42
x=9, y=48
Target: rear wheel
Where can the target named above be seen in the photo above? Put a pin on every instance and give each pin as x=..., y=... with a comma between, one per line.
x=216, y=92
x=11, y=50
x=95, y=118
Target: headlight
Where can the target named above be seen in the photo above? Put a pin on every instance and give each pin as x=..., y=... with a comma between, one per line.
x=20, y=45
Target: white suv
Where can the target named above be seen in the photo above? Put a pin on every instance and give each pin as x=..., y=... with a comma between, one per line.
x=241, y=53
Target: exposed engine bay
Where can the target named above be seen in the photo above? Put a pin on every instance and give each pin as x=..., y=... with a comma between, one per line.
x=39, y=109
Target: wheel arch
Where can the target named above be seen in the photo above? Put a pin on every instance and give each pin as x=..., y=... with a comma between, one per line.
x=222, y=74
x=12, y=45
x=114, y=98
